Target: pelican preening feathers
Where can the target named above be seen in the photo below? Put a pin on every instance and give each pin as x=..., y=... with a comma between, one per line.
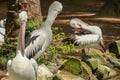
x=21, y=68
x=39, y=40
x=93, y=40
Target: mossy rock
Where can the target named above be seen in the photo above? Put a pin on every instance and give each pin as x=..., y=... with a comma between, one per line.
x=114, y=48
x=99, y=56
x=113, y=60
x=93, y=63
x=86, y=68
x=72, y=65
x=64, y=75
x=102, y=72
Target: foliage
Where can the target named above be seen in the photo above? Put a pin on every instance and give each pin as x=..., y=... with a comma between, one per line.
x=7, y=51
x=32, y=25
x=68, y=48
x=52, y=51
x=57, y=33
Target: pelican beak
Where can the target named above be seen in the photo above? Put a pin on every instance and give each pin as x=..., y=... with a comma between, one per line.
x=22, y=35
x=77, y=29
x=77, y=26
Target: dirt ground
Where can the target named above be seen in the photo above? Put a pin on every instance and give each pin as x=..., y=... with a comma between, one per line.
x=83, y=9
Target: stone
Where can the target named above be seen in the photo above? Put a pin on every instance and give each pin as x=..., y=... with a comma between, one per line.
x=72, y=65
x=64, y=75
x=86, y=68
x=93, y=63
x=99, y=56
x=102, y=72
x=114, y=47
x=44, y=73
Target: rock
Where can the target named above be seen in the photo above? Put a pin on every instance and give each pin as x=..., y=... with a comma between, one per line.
x=5, y=78
x=102, y=72
x=115, y=48
x=93, y=63
x=3, y=75
x=86, y=68
x=72, y=65
x=112, y=73
x=44, y=73
x=63, y=75
x=99, y=56
x=113, y=61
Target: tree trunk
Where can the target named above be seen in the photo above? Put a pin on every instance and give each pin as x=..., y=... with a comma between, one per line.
x=35, y=10
x=110, y=9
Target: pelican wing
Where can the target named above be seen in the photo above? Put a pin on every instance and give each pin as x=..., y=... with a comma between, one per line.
x=35, y=66
x=85, y=40
x=8, y=64
x=33, y=44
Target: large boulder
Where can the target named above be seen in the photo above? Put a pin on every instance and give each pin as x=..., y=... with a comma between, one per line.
x=93, y=63
x=72, y=65
x=114, y=47
x=44, y=73
x=64, y=75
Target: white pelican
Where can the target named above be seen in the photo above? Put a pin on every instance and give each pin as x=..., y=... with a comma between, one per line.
x=93, y=40
x=39, y=40
x=2, y=23
x=2, y=29
x=21, y=68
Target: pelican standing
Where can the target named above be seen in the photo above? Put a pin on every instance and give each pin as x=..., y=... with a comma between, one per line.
x=21, y=68
x=39, y=40
x=93, y=40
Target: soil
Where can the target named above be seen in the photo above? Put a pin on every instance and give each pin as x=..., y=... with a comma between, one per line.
x=83, y=9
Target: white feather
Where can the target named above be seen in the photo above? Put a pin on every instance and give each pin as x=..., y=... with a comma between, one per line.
x=23, y=16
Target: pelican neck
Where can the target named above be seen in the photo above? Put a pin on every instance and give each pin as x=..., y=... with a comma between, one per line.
x=21, y=39
x=50, y=20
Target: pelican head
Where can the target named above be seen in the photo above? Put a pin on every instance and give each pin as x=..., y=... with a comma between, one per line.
x=2, y=23
x=56, y=7
x=77, y=23
x=23, y=16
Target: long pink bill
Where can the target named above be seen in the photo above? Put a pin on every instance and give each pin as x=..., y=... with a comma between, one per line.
x=22, y=36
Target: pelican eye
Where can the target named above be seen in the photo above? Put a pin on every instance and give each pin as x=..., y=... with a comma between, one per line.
x=73, y=24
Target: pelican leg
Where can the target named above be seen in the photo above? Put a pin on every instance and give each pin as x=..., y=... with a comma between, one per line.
x=86, y=57
x=89, y=50
x=83, y=52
